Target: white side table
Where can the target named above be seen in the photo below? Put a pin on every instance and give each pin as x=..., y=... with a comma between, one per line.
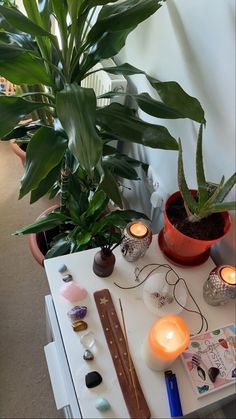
x=65, y=352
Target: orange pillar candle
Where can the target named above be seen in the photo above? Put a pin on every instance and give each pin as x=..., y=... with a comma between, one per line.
x=167, y=339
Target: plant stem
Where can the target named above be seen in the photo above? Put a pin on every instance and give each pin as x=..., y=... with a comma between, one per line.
x=65, y=177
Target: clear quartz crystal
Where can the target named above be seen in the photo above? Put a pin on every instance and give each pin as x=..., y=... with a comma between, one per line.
x=87, y=339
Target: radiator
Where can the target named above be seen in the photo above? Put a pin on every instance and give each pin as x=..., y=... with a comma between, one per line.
x=103, y=82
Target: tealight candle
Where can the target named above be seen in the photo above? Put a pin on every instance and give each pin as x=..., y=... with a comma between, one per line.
x=220, y=286
x=167, y=339
x=136, y=240
x=228, y=274
x=138, y=229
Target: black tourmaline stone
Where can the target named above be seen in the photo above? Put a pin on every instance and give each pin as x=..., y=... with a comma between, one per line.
x=93, y=379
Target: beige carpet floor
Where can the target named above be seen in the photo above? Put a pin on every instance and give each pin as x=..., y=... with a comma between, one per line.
x=25, y=389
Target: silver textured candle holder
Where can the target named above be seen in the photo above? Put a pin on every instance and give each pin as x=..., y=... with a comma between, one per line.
x=215, y=290
x=133, y=247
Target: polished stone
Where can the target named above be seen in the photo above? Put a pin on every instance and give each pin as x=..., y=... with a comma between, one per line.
x=67, y=278
x=93, y=379
x=102, y=404
x=62, y=268
x=79, y=325
x=88, y=355
x=87, y=339
x=73, y=292
x=77, y=313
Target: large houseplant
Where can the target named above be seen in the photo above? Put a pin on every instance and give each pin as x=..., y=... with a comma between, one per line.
x=195, y=219
x=68, y=149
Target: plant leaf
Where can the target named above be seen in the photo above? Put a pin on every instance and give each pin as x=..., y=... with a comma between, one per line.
x=148, y=104
x=122, y=16
x=97, y=204
x=120, y=218
x=45, y=151
x=172, y=94
x=60, y=247
x=119, y=167
x=45, y=223
x=121, y=121
x=19, y=21
x=189, y=201
x=110, y=187
x=46, y=184
x=12, y=110
x=108, y=45
x=222, y=206
x=229, y=184
x=125, y=69
x=76, y=107
x=22, y=130
x=30, y=69
x=201, y=180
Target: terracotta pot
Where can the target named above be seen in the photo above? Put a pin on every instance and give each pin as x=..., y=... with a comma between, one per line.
x=18, y=151
x=182, y=249
x=36, y=240
x=103, y=264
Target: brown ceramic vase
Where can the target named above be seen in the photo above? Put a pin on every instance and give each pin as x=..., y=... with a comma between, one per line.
x=103, y=264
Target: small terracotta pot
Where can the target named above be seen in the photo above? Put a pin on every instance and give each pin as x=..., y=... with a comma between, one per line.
x=18, y=151
x=35, y=239
x=103, y=264
x=182, y=249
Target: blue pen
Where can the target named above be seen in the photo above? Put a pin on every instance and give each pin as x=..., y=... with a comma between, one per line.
x=173, y=394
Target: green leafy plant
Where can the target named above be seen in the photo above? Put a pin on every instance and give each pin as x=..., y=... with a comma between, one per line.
x=210, y=196
x=68, y=150
x=84, y=227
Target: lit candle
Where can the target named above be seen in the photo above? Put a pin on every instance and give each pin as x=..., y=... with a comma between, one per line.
x=137, y=238
x=138, y=229
x=228, y=274
x=167, y=339
x=220, y=286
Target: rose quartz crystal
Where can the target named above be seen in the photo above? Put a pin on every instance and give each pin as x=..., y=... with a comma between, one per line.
x=73, y=292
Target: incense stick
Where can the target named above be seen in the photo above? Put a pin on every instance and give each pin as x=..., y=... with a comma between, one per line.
x=129, y=357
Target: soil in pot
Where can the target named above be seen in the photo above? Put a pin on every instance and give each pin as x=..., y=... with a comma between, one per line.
x=208, y=228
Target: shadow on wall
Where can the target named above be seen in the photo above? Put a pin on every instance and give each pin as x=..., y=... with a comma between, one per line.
x=199, y=78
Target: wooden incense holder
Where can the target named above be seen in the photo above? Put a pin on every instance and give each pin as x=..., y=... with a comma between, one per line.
x=118, y=347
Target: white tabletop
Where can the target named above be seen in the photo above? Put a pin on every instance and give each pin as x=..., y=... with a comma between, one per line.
x=138, y=322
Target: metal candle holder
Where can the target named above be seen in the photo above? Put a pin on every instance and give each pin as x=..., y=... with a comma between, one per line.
x=132, y=246
x=216, y=291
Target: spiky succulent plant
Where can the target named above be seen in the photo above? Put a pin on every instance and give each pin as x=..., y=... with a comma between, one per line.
x=210, y=196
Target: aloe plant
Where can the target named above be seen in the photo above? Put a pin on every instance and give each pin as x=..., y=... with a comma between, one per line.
x=210, y=196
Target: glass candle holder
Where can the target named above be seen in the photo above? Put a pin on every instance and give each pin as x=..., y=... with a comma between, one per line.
x=137, y=238
x=167, y=339
x=220, y=286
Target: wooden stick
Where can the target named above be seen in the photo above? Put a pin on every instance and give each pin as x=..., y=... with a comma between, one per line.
x=129, y=357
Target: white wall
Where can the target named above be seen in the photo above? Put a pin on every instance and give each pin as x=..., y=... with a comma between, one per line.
x=193, y=43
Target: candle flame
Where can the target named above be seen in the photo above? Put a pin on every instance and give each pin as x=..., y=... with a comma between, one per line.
x=228, y=274
x=170, y=335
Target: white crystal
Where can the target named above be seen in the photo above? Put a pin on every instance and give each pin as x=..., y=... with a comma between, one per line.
x=87, y=339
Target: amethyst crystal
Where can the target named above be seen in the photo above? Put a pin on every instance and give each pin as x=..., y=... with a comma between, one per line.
x=77, y=313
